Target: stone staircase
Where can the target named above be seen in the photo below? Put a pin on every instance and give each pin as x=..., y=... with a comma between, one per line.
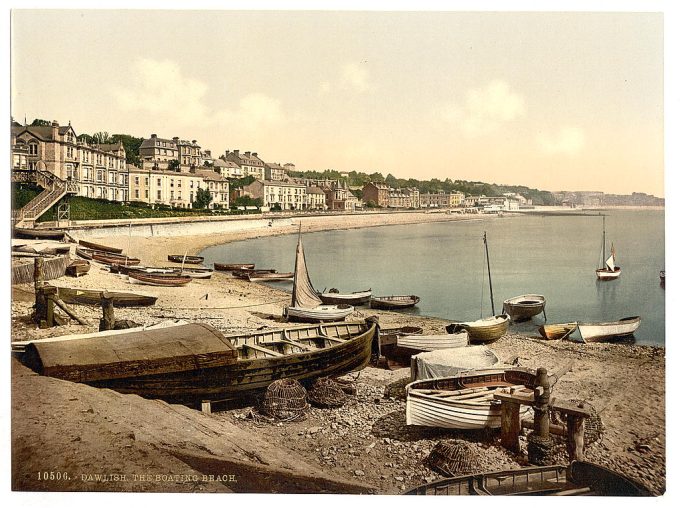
x=54, y=188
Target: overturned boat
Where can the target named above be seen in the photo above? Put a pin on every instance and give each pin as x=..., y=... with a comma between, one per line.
x=189, y=363
x=335, y=297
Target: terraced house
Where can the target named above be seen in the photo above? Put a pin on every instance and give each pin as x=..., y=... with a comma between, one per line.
x=99, y=170
x=250, y=163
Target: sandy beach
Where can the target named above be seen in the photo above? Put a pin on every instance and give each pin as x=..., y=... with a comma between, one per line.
x=364, y=446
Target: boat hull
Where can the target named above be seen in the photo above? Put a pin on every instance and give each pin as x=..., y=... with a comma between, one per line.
x=99, y=247
x=394, y=302
x=523, y=308
x=264, y=277
x=158, y=279
x=77, y=268
x=557, y=331
x=28, y=233
x=229, y=267
x=247, y=376
x=356, y=298
x=483, y=330
x=578, y=478
x=94, y=297
x=179, y=258
x=430, y=410
x=606, y=274
x=600, y=332
x=406, y=346
x=318, y=314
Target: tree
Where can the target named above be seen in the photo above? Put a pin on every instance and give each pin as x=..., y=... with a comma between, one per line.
x=131, y=145
x=203, y=198
x=173, y=165
x=102, y=138
x=39, y=122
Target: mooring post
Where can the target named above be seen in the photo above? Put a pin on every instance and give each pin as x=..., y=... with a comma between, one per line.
x=40, y=315
x=108, y=320
x=510, y=425
x=539, y=446
x=49, y=293
x=576, y=433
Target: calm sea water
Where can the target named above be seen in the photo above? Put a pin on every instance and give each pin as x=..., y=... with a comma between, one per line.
x=443, y=263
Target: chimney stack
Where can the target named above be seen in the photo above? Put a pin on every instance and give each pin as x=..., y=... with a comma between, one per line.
x=153, y=136
x=236, y=152
x=247, y=154
x=254, y=154
x=55, y=129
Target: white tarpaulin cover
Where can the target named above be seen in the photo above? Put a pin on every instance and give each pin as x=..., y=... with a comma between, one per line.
x=449, y=362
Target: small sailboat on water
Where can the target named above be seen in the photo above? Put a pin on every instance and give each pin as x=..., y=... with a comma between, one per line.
x=486, y=329
x=608, y=270
x=306, y=305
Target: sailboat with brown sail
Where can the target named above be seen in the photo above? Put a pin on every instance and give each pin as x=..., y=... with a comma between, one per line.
x=306, y=306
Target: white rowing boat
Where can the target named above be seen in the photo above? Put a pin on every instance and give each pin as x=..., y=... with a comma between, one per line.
x=599, y=332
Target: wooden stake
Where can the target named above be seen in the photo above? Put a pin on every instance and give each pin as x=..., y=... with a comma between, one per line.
x=108, y=320
x=510, y=426
x=576, y=431
x=59, y=303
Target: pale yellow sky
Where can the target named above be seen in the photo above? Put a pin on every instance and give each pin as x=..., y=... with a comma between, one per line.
x=554, y=101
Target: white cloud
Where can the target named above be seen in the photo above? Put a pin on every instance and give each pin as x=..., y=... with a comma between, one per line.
x=568, y=141
x=355, y=77
x=485, y=109
x=159, y=88
x=352, y=77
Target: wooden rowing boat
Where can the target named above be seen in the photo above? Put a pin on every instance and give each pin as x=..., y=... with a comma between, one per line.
x=190, y=363
x=465, y=401
x=394, y=302
x=115, y=259
x=230, y=267
x=78, y=267
x=245, y=272
x=578, y=479
x=269, y=276
x=158, y=279
x=180, y=258
x=524, y=307
x=335, y=297
x=99, y=247
x=483, y=330
x=306, y=306
x=600, y=332
x=452, y=361
x=405, y=346
x=87, y=296
x=557, y=331
x=28, y=233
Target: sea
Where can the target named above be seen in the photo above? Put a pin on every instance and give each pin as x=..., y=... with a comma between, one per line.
x=444, y=264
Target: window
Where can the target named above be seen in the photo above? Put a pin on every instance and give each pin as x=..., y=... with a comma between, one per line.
x=159, y=182
x=158, y=195
x=137, y=193
x=33, y=148
x=172, y=195
x=146, y=181
x=172, y=182
x=136, y=180
x=146, y=193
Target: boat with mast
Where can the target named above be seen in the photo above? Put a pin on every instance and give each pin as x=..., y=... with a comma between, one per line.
x=484, y=329
x=608, y=270
x=306, y=305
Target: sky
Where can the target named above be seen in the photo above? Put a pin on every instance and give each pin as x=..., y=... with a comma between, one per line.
x=555, y=101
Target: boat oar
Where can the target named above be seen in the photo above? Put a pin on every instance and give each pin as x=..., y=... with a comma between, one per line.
x=554, y=378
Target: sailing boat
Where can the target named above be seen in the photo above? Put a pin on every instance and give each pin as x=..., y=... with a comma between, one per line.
x=609, y=270
x=485, y=329
x=306, y=305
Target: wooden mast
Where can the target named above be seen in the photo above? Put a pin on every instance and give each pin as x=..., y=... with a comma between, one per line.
x=604, y=243
x=488, y=267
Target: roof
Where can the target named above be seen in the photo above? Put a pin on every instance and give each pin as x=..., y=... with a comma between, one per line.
x=274, y=165
x=150, y=142
x=314, y=190
x=43, y=132
x=208, y=174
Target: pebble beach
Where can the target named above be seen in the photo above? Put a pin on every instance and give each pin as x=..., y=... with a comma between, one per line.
x=364, y=446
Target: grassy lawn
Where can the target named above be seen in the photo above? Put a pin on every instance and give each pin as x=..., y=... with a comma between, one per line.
x=99, y=209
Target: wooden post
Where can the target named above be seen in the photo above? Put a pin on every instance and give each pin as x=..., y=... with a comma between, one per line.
x=206, y=406
x=576, y=431
x=510, y=426
x=40, y=315
x=108, y=320
x=541, y=401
